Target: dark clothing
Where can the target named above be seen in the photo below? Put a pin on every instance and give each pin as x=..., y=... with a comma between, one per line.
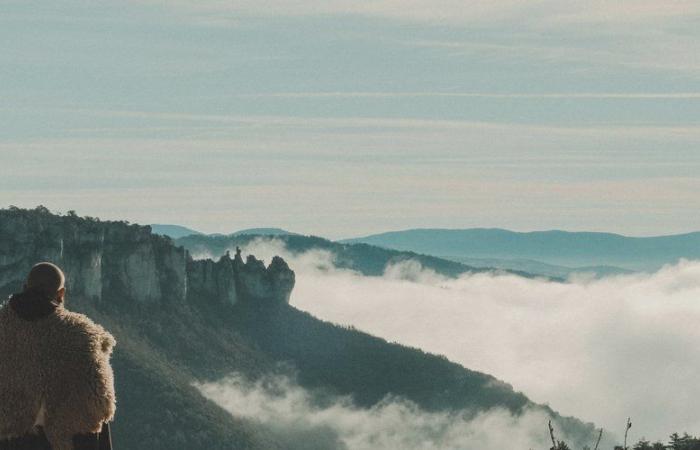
x=94, y=441
x=91, y=441
x=28, y=442
x=33, y=304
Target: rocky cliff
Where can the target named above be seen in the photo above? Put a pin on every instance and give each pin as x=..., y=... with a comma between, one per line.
x=122, y=276
x=106, y=261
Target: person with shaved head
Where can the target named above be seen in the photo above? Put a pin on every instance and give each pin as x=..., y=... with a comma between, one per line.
x=56, y=382
x=44, y=291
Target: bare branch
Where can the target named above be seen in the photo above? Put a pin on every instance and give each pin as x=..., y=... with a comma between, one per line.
x=627, y=429
x=600, y=435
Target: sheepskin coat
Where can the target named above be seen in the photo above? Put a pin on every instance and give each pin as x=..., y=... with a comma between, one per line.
x=54, y=371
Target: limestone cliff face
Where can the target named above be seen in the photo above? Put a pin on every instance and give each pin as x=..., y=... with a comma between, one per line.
x=116, y=261
x=232, y=280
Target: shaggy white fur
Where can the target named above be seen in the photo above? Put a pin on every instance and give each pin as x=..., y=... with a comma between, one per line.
x=60, y=362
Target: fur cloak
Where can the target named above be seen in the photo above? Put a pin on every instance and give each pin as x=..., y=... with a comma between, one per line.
x=54, y=371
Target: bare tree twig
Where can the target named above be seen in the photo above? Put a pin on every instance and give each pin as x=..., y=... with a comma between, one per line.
x=600, y=435
x=551, y=434
x=627, y=429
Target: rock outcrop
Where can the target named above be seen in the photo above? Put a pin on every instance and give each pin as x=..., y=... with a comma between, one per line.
x=117, y=261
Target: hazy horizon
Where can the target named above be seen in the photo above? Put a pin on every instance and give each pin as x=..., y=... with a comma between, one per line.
x=398, y=230
x=234, y=229
x=344, y=118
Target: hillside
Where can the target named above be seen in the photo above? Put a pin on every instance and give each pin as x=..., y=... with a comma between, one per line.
x=369, y=260
x=178, y=231
x=540, y=268
x=572, y=249
x=263, y=231
x=172, y=231
x=178, y=320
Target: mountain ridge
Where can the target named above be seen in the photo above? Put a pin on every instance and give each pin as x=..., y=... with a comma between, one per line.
x=366, y=259
x=185, y=320
x=563, y=248
x=506, y=230
x=172, y=231
x=178, y=231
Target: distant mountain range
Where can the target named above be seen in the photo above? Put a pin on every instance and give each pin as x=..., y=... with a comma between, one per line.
x=368, y=260
x=540, y=268
x=555, y=254
x=263, y=231
x=178, y=231
x=525, y=251
x=173, y=231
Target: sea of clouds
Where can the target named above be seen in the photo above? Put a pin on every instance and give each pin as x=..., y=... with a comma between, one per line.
x=601, y=350
x=304, y=422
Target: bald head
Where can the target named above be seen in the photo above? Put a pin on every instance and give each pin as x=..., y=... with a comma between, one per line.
x=47, y=278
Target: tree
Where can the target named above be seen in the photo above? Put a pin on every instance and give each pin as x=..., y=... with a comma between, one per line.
x=685, y=442
x=644, y=444
x=556, y=445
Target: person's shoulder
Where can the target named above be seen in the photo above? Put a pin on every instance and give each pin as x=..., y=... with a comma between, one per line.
x=75, y=320
x=81, y=328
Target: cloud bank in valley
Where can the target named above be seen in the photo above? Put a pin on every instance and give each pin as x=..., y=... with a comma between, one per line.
x=598, y=349
x=394, y=423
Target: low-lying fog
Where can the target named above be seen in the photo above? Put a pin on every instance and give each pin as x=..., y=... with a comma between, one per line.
x=304, y=423
x=601, y=350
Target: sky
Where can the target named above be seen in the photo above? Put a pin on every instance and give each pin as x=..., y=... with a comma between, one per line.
x=344, y=118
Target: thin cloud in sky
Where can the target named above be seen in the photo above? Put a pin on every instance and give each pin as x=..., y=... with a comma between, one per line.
x=376, y=122
x=514, y=95
x=650, y=49
x=455, y=11
x=367, y=174
x=627, y=34
x=455, y=108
